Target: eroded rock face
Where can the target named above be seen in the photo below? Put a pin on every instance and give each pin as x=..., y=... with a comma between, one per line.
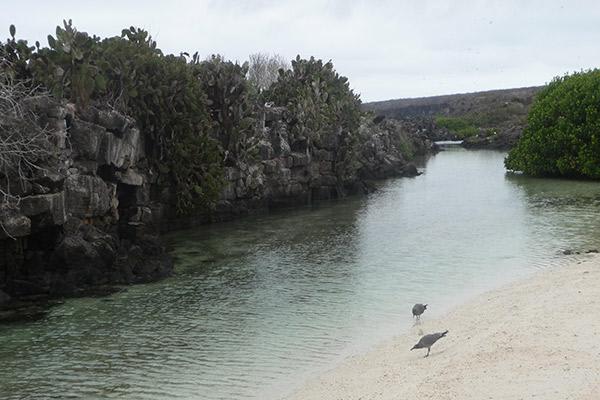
x=88, y=196
x=85, y=220
x=52, y=204
x=122, y=151
x=130, y=177
x=86, y=139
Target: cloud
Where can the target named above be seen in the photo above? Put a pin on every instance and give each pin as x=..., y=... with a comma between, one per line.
x=388, y=49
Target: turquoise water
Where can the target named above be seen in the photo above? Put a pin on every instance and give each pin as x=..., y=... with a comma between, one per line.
x=258, y=304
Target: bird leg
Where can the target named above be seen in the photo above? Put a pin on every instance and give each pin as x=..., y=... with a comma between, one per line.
x=428, y=350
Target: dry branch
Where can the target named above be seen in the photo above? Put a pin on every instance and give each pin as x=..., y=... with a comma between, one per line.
x=24, y=144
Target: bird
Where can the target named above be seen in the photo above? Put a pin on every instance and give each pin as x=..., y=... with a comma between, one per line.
x=429, y=340
x=419, y=309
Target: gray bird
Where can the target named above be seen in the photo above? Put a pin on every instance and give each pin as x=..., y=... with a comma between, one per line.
x=419, y=309
x=429, y=340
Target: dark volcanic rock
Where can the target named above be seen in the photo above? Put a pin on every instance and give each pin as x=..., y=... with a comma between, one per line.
x=14, y=225
x=4, y=299
x=23, y=287
x=122, y=151
x=52, y=204
x=503, y=140
x=114, y=122
x=411, y=170
x=27, y=311
x=86, y=138
x=64, y=237
x=144, y=261
x=87, y=196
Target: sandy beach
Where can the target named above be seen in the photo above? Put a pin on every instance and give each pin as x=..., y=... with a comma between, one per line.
x=536, y=338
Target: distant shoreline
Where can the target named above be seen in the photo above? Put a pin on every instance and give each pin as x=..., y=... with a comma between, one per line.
x=539, y=336
x=443, y=98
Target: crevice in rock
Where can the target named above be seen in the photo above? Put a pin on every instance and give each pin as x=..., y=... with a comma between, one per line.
x=106, y=172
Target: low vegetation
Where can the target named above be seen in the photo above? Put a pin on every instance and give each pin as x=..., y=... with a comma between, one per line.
x=462, y=127
x=485, y=121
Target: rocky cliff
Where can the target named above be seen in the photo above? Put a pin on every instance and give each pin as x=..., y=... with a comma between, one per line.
x=84, y=219
x=90, y=217
x=288, y=171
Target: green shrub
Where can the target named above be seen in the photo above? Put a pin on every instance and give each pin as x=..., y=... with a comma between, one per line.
x=462, y=127
x=562, y=136
x=231, y=103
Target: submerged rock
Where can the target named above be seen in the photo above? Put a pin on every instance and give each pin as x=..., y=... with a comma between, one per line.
x=4, y=299
x=411, y=170
x=30, y=312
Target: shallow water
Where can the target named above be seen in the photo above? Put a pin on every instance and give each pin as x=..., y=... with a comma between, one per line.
x=259, y=303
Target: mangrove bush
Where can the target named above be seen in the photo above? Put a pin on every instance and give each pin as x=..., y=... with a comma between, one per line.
x=562, y=136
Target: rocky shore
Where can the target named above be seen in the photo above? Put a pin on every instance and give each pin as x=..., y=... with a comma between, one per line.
x=503, y=139
x=90, y=219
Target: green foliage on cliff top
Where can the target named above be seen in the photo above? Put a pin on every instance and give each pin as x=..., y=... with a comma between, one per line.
x=562, y=136
x=321, y=109
x=317, y=99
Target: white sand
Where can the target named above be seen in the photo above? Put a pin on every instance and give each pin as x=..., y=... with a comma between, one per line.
x=538, y=338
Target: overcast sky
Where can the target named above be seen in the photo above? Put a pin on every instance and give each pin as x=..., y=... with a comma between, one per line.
x=388, y=49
